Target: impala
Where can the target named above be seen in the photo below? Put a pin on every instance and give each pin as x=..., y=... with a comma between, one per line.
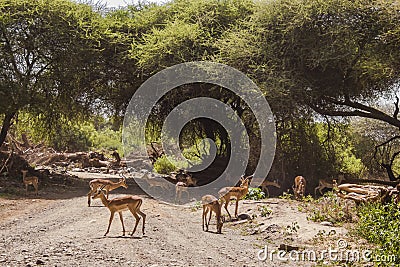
x=226, y=193
x=326, y=183
x=299, y=188
x=180, y=187
x=211, y=204
x=30, y=180
x=106, y=184
x=119, y=204
x=264, y=184
x=154, y=181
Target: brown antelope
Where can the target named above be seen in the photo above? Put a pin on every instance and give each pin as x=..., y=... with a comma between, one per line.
x=264, y=185
x=326, y=183
x=154, y=181
x=190, y=181
x=33, y=180
x=119, y=204
x=180, y=187
x=106, y=184
x=210, y=204
x=299, y=188
x=226, y=193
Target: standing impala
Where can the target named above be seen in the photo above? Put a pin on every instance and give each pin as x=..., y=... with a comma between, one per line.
x=325, y=183
x=106, y=184
x=226, y=193
x=33, y=180
x=210, y=204
x=299, y=188
x=265, y=183
x=119, y=204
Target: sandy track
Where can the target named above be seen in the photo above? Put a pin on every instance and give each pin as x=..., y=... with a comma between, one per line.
x=65, y=232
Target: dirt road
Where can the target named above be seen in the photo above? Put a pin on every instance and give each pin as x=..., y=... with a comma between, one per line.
x=61, y=230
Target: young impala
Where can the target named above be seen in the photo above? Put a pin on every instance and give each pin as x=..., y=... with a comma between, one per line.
x=119, y=204
x=106, y=184
x=211, y=204
x=226, y=193
x=30, y=180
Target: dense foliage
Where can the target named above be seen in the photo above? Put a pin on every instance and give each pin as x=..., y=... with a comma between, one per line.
x=380, y=224
x=64, y=63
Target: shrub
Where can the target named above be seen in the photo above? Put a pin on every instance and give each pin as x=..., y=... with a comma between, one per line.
x=329, y=208
x=163, y=165
x=255, y=194
x=380, y=224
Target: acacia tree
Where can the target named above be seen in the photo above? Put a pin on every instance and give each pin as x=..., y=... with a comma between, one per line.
x=48, y=59
x=182, y=31
x=334, y=56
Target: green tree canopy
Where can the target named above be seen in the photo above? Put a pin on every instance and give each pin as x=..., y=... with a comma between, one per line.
x=48, y=59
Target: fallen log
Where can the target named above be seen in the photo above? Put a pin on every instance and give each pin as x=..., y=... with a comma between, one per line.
x=367, y=193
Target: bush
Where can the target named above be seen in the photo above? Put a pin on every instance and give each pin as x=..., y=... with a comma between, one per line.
x=380, y=224
x=328, y=208
x=255, y=194
x=163, y=165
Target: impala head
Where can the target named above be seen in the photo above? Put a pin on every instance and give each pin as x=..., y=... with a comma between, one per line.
x=244, y=181
x=123, y=181
x=98, y=193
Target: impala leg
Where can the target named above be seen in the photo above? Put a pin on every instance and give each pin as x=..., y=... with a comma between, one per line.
x=26, y=189
x=36, y=189
x=203, y=217
x=209, y=218
x=144, y=219
x=236, y=207
x=226, y=208
x=267, y=191
x=109, y=223
x=89, y=196
x=137, y=221
x=122, y=221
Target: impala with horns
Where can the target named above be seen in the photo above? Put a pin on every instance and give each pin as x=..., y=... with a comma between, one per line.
x=120, y=204
x=106, y=184
x=226, y=193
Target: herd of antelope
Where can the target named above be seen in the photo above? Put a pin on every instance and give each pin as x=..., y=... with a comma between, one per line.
x=100, y=188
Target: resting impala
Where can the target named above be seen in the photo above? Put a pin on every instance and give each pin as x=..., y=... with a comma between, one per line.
x=299, y=188
x=106, y=184
x=226, y=193
x=211, y=204
x=326, y=183
x=33, y=180
x=119, y=204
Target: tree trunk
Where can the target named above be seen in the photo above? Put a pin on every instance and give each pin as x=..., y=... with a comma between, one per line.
x=6, y=126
